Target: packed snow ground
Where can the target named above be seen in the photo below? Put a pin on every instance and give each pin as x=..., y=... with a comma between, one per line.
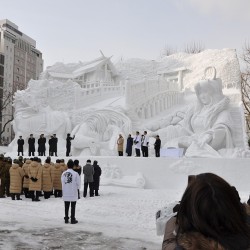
x=121, y=218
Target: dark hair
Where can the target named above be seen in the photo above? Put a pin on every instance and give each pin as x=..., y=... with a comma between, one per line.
x=70, y=163
x=210, y=206
x=58, y=161
x=88, y=160
x=76, y=162
x=62, y=160
x=48, y=160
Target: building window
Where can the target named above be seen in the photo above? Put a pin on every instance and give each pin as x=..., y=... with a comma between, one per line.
x=17, y=69
x=17, y=78
x=1, y=70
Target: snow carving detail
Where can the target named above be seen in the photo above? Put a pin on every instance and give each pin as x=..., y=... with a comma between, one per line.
x=112, y=175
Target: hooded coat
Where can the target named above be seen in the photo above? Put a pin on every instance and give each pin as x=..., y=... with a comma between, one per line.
x=16, y=176
x=25, y=168
x=57, y=171
x=47, y=183
x=35, y=171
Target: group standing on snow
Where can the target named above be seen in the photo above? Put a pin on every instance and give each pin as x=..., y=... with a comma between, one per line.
x=34, y=179
x=140, y=143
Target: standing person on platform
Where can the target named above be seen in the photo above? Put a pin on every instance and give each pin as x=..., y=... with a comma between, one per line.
x=70, y=184
x=54, y=145
x=41, y=145
x=157, y=146
x=137, y=142
x=96, y=176
x=144, y=144
x=20, y=143
x=31, y=142
x=51, y=146
x=68, y=144
x=120, y=143
x=129, y=145
x=88, y=172
x=16, y=177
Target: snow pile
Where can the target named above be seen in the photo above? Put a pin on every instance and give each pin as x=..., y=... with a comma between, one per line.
x=225, y=61
x=124, y=214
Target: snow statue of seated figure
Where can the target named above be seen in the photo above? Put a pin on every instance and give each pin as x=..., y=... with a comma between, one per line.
x=206, y=126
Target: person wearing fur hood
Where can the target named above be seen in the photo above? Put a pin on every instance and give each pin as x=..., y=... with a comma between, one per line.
x=210, y=217
x=16, y=177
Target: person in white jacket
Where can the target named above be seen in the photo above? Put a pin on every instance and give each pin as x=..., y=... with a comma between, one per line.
x=71, y=182
x=137, y=142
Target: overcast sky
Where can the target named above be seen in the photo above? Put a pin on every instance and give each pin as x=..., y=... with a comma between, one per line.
x=75, y=30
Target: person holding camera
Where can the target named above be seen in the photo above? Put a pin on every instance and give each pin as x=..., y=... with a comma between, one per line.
x=210, y=216
x=137, y=143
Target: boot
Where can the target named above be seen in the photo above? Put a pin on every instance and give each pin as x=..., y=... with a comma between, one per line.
x=74, y=221
x=66, y=219
x=18, y=197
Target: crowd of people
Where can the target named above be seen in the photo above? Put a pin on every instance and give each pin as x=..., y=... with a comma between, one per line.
x=33, y=179
x=140, y=143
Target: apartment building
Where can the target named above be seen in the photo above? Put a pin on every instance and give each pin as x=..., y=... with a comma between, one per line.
x=22, y=62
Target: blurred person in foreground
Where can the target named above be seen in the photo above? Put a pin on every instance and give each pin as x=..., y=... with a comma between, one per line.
x=210, y=216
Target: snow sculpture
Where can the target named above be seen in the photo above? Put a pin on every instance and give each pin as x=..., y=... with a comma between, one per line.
x=206, y=127
x=112, y=175
x=34, y=116
x=96, y=134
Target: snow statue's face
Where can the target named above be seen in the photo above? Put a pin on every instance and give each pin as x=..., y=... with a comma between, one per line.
x=205, y=96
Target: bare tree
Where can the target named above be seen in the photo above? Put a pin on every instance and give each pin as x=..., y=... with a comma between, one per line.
x=167, y=51
x=245, y=85
x=194, y=47
x=6, y=114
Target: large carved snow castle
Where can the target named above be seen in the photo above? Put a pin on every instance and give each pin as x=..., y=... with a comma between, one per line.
x=192, y=102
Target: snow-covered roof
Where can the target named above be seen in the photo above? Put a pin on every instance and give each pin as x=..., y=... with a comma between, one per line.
x=58, y=72
x=88, y=67
x=60, y=75
x=171, y=71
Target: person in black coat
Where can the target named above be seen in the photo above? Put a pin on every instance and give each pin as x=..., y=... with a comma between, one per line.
x=51, y=146
x=129, y=145
x=68, y=143
x=20, y=143
x=96, y=176
x=31, y=142
x=54, y=145
x=157, y=146
x=41, y=145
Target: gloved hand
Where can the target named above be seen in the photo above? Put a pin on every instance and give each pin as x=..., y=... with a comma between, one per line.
x=33, y=179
